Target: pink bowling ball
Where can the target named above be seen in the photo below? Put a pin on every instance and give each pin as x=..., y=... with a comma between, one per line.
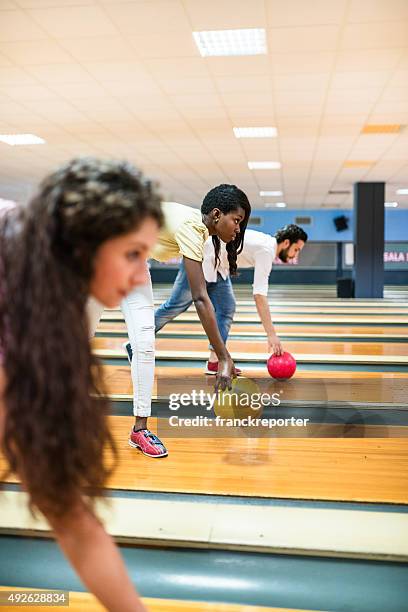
x=282, y=366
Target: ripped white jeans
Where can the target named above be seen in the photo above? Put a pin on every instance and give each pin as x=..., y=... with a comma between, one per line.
x=138, y=310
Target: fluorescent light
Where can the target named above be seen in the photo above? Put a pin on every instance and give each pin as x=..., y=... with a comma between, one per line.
x=21, y=139
x=270, y=193
x=255, y=132
x=264, y=165
x=391, y=204
x=402, y=191
x=280, y=204
x=249, y=41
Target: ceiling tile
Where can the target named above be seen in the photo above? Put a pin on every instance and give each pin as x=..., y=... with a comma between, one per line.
x=367, y=60
x=30, y=52
x=60, y=73
x=191, y=85
x=13, y=75
x=225, y=14
x=78, y=91
x=126, y=72
x=4, y=61
x=141, y=17
x=17, y=25
x=312, y=38
x=251, y=99
x=8, y=5
x=298, y=12
x=99, y=49
x=301, y=82
x=172, y=43
x=244, y=83
x=33, y=4
x=395, y=94
x=377, y=10
x=314, y=62
x=212, y=100
x=399, y=79
x=301, y=98
x=184, y=67
x=390, y=34
x=74, y=21
x=238, y=66
x=29, y=92
x=357, y=80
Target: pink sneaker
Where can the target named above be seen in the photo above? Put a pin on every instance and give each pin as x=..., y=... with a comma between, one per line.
x=212, y=368
x=148, y=443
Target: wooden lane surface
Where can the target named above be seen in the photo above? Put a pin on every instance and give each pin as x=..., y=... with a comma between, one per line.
x=316, y=308
x=356, y=387
x=343, y=469
x=256, y=346
x=256, y=327
x=86, y=602
x=298, y=318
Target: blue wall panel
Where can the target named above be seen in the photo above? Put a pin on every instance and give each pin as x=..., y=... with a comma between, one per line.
x=323, y=229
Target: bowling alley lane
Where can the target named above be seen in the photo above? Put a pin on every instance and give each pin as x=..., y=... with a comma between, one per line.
x=248, y=345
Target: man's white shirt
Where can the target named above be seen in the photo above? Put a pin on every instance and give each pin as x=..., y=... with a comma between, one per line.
x=258, y=252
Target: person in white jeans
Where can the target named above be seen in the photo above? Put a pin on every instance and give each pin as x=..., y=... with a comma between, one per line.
x=138, y=310
x=224, y=215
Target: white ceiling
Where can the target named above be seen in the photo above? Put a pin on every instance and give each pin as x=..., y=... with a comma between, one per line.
x=124, y=78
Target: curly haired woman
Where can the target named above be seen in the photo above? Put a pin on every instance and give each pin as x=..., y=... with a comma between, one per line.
x=87, y=232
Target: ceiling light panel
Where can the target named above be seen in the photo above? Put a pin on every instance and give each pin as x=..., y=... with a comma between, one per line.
x=390, y=204
x=377, y=128
x=255, y=132
x=402, y=191
x=21, y=139
x=264, y=165
x=270, y=193
x=219, y=43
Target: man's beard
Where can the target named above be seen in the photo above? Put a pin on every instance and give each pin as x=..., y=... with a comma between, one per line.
x=283, y=255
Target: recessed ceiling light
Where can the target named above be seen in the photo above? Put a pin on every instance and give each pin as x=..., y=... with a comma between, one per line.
x=264, y=165
x=21, y=139
x=391, y=204
x=270, y=193
x=280, y=204
x=248, y=41
x=255, y=132
x=402, y=191
x=381, y=128
x=358, y=163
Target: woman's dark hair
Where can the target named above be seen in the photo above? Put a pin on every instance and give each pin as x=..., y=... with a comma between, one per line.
x=55, y=425
x=228, y=198
x=291, y=232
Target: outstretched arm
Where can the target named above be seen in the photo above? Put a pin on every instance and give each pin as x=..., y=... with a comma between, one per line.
x=95, y=557
x=205, y=311
x=262, y=306
x=90, y=550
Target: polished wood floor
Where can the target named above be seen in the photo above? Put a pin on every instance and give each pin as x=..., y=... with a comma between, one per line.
x=85, y=602
x=260, y=346
x=352, y=469
x=176, y=325
x=358, y=387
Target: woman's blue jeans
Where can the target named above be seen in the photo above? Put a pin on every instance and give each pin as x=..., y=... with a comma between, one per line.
x=220, y=294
